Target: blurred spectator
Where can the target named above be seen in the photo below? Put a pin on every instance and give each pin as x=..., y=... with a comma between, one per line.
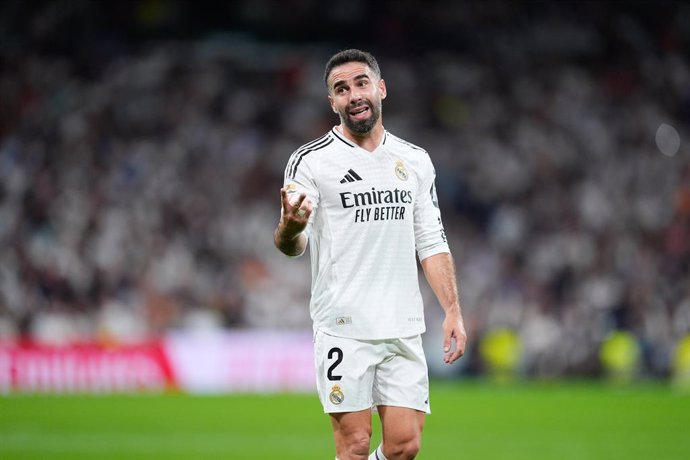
x=140, y=165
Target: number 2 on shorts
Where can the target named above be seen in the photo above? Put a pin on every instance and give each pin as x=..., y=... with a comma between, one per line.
x=338, y=359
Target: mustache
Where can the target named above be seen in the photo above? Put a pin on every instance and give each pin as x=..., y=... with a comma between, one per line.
x=360, y=103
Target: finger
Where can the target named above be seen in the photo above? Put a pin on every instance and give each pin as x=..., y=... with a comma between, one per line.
x=446, y=342
x=460, y=346
x=300, y=200
x=306, y=210
x=457, y=354
x=284, y=198
x=446, y=347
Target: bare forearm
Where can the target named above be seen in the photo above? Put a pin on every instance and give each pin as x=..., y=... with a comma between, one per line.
x=439, y=270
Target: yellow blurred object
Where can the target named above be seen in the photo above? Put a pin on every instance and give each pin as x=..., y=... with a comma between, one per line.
x=501, y=353
x=620, y=356
x=681, y=365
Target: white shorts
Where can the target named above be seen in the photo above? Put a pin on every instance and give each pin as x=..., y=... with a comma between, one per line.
x=353, y=375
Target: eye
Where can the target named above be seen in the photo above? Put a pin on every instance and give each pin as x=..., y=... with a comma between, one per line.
x=340, y=90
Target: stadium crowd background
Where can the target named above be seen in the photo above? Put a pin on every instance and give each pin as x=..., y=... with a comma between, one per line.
x=142, y=147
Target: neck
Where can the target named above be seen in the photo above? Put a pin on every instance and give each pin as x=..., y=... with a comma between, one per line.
x=368, y=141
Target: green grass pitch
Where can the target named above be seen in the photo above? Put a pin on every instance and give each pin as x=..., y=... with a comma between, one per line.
x=472, y=420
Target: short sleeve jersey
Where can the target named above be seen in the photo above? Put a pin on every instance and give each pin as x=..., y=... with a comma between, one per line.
x=373, y=212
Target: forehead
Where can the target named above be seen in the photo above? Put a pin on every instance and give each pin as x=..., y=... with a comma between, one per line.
x=348, y=71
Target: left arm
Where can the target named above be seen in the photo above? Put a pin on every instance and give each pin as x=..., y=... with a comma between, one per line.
x=439, y=270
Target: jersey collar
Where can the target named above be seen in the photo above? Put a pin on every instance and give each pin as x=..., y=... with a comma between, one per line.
x=348, y=142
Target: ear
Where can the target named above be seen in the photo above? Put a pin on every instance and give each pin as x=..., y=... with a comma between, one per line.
x=382, y=88
x=332, y=102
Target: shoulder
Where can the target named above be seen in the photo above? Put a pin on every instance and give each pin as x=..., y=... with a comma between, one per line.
x=317, y=143
x=398, y=143
x=414, y=154
x=300, y=155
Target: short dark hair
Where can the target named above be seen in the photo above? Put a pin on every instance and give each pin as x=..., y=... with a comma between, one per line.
x=351, y=55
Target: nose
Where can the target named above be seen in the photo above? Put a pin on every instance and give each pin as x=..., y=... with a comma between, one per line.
x=355, y=96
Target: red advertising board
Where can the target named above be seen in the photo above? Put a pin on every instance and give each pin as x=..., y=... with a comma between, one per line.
x=29, y=367
x=209, y=362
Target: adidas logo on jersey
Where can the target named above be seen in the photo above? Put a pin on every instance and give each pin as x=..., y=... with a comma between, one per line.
x=351, y=176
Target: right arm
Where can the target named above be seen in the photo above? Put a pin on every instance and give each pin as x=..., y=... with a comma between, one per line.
x=289, y=236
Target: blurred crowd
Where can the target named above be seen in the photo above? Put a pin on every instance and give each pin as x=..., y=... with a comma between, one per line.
x=139, y=183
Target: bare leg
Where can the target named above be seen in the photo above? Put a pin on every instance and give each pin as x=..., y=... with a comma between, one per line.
x=352, y=433
x=402, y=431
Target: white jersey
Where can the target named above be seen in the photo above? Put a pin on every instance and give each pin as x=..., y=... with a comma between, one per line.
x=372, y=212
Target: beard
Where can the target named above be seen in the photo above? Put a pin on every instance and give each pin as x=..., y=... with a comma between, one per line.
x=362, y=126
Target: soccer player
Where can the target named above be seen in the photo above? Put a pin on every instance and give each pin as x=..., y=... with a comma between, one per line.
x=364, y=200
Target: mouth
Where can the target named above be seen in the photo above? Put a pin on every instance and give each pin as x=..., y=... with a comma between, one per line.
x=360, y=112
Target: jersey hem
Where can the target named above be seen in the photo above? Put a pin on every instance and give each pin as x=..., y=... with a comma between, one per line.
x=392, y=336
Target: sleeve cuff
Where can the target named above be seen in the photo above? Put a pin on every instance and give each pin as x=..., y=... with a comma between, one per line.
x=433, y=250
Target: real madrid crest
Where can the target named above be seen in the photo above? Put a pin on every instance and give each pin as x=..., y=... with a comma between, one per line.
x=336, y=395
x=401, y=171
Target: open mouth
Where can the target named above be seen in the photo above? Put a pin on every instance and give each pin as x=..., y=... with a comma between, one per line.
x=360, y=113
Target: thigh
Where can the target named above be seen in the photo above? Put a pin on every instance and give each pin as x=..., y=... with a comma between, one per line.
x=345, y=371
x=402, y=380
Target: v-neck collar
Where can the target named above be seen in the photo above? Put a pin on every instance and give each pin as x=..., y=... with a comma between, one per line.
x=349, y=143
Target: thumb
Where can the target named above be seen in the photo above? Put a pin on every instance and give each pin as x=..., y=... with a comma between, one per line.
x=446, y=341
